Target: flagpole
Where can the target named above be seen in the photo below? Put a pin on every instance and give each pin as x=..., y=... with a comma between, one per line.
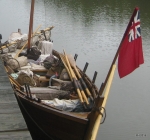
x=116, y=55
x=31, y=23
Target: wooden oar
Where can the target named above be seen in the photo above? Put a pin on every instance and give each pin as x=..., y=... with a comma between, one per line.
x=62, y=58
x=26, y=42
x=80, y=93
x=9, y=44
x=71, y=77
x=73, y=64
x=46, y=29
x=81, y=90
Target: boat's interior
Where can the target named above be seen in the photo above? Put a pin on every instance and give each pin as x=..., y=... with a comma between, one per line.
x=52, y=77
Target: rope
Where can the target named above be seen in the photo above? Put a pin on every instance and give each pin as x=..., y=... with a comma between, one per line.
x=99, y=110
x=102, y=114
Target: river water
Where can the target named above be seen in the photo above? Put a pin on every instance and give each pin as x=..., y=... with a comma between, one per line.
x=93, y=29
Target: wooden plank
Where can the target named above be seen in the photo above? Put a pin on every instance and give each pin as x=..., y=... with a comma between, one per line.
x=2, y=71
x=18, y=135
x=9, y=108
x=12, y=124
x=4, y=78
x=7, y=96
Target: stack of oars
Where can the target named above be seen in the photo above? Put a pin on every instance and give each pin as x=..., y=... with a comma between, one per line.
x=76, y=82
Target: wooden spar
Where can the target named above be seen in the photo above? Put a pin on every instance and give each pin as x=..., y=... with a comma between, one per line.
x=26, y=43
x=94, y=129
x=31, y=23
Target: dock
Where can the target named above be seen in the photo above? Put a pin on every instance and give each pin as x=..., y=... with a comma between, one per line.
x=12, y=123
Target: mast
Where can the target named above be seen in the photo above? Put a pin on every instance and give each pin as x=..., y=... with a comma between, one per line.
x=31, y=23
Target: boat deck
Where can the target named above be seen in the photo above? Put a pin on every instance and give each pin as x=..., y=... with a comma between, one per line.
x=12, y=124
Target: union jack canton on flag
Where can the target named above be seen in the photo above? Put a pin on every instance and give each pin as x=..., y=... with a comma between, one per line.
x=131, y=53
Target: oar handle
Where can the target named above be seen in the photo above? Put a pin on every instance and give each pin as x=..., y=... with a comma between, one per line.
x=77, y=89
x=83, y=94
x=83, y=83
x=81, y=90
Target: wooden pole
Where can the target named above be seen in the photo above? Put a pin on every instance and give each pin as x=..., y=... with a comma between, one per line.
x=80, y=93
x=31, y=23
x=71, y=77
x=99, y=117
x=62, y=58
x=73, y=64
x=83, y=83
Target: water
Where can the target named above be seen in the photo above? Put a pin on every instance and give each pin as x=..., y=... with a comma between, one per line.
x=93, y=29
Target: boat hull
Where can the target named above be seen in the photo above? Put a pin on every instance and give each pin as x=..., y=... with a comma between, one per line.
x=46, y=123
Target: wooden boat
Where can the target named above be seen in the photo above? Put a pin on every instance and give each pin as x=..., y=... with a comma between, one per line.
x=47, y=122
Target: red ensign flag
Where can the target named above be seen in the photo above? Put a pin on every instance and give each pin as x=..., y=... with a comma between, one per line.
x=131, y=54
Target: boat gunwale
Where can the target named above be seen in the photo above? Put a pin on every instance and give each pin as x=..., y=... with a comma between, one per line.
x=51, y=109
